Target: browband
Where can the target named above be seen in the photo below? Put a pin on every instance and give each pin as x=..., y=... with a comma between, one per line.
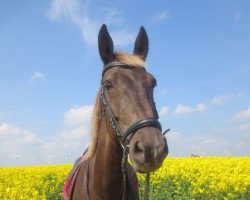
x=113, y=64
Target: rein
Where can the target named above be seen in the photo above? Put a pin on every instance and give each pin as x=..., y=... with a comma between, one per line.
x=146, y=122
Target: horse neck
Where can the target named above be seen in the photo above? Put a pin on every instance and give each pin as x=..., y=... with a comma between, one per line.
x=107, y=162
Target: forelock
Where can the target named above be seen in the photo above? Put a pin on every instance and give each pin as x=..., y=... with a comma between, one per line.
x=130, y=59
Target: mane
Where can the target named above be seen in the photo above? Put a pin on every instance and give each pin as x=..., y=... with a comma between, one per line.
x=95, y=124
x=131, y=60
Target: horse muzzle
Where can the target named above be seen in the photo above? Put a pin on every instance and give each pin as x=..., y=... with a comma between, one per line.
x=148, y=148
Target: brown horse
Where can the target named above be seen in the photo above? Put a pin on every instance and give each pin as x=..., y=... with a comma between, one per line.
x=125, y=121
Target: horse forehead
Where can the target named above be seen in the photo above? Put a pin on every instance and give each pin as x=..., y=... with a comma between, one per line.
x=129, y=82
x=128, y=75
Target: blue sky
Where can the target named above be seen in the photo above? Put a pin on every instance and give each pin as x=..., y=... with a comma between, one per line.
x=50, y=72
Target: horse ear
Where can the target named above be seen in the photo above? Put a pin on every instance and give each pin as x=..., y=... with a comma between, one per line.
x=141, y=44
x=105, y=45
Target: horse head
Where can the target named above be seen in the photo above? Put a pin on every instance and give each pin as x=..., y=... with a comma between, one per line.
x=128, y=90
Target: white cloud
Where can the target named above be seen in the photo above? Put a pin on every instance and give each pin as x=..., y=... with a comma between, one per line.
x=77, y=13
x=68, y=140
x=242, y=115
x=173, y=136
x=7, y=129
x=199, y=144
x=181, y=109
x=28, y=145
x=36, y=77
x=164, y=110
x=201, y=107
x=14, y=138
x=73, y=145
x=29, y=136
x=78, y=115
x=220, y=100
x=12, y=135
x=75, y=133
x=206, y=144
x=212, y=141
x=161, y=16
x=241, y=128
x=220, y=129
x=244, y=127
x=72, y=139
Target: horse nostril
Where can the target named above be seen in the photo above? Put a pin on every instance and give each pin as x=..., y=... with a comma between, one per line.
x=138, y=148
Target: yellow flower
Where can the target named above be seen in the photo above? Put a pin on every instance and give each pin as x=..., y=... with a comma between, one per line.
x=192, y=178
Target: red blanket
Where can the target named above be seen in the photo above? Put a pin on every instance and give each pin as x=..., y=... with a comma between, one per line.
x=69, y=183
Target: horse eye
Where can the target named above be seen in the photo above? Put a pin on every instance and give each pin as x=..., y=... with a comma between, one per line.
x=108, y=85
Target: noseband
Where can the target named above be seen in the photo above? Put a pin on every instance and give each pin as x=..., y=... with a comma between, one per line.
x=122, y=135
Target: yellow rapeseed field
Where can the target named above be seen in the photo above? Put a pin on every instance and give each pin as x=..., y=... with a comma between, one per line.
x=33, y=183
x=202, y=178
x=178, y=178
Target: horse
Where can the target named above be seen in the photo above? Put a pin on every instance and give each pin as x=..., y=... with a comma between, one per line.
x=124, y=123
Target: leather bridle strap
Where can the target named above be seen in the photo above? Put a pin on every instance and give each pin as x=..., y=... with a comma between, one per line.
x=113, y=64
x=106, y=106
x=146, y=122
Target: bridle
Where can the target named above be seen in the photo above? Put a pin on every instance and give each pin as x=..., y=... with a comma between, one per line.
x=122, y=135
